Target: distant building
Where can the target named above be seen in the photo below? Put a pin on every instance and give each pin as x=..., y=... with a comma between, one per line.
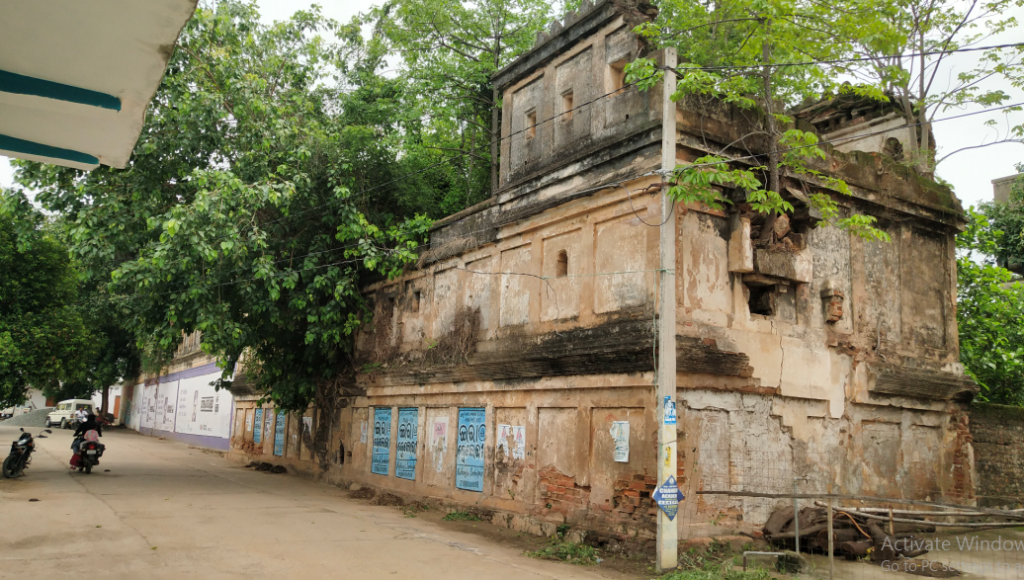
x=1001, y=189
x=36, y=400
x=854, y=123
x=180, y=402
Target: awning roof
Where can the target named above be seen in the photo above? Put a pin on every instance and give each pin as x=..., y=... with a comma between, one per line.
x=76, y=77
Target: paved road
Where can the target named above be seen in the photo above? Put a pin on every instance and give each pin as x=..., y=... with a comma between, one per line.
x=167, y=511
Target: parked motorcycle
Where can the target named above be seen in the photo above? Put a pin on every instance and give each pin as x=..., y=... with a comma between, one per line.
x=21, y=454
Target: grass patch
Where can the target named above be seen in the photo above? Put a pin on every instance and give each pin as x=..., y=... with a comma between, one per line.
x=461, y=517
x=414, y=508
x=718, y=572
x=716, y=562
x=579, y=554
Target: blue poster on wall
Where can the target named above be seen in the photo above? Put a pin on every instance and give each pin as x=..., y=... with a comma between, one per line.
x=405, y=457
x=469, y=461
x=279, y=434
x=381, y=459
x=257, y=427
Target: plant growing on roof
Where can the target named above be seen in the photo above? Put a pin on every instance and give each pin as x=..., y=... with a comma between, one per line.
x=729, y=51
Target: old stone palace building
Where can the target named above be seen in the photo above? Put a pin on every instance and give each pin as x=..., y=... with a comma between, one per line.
x=513, y=370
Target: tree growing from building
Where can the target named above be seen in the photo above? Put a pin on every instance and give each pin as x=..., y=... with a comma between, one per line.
x=743, y=53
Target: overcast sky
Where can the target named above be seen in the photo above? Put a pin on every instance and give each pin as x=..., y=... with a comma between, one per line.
x=971, y=172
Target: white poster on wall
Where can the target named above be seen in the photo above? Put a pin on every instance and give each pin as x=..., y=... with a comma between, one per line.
x=148, y=411
x=167, y=399
x=620, y=435
x=138, y=400
x=203, y=410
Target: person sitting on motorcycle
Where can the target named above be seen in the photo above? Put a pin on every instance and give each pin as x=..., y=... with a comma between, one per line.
x=90, y=430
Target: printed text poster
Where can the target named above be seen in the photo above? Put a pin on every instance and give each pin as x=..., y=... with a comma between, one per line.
x=381, y=459
x=469, y=461
x=202, y=409
x=279, y=434
x=257, y=430
x=405, y=457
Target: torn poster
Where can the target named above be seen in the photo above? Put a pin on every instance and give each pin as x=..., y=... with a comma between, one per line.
x=439, y=442
x=519, y=443
x=620, y=434
x=504, y=431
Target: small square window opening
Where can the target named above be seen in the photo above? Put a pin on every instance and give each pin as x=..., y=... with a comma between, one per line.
x=567, y=108
x=616, y=76
x=562, y=265
x=415, y=306
x=531, y=124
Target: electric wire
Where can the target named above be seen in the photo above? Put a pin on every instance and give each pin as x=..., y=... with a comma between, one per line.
x=581, y=106
x=658, y=172
x=684, y=69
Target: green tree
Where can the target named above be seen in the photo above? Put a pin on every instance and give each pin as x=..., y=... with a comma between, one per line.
x=729, y=51
x=990, y=315
x=270, y=183
x=44, y=340
x=1009, y=219
x=450, y=50
x=907, y=45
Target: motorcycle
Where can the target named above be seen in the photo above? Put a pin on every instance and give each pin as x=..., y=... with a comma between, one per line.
x=21, y=454
x=89, y=453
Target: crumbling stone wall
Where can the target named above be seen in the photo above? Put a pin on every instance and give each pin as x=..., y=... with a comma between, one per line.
x=998, y=439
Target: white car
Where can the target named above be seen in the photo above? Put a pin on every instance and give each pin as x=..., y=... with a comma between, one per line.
x=64, y=413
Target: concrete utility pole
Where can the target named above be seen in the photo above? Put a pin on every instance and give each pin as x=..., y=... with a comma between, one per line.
x=668, y=535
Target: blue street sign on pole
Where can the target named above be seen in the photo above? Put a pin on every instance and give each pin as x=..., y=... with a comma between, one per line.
x=667, y=496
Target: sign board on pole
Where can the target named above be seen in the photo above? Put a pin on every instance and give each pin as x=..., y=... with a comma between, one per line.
x=667, y=497
x=670, y=410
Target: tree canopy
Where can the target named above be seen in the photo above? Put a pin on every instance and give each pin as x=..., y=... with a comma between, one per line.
x=44, y=339
x=990, y=314
x=1008, y=219
x=279, y=172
